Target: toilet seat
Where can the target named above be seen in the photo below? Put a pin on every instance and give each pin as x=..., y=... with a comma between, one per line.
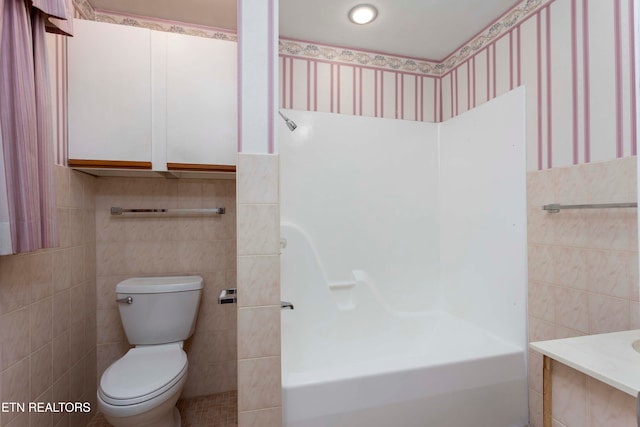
x=143, y=374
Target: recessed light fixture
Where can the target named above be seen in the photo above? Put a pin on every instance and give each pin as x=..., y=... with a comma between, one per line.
x=363, y=14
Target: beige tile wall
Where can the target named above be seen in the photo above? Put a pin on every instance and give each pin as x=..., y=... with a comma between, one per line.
x=47, y=314
x=149, y=246
x=583, y=279
x=259, y=375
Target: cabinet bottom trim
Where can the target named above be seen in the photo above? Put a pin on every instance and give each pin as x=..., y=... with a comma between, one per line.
x=108, y=164
x=200, y=167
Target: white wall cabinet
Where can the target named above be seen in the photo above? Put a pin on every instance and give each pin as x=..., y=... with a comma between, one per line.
x=170, y=99
x=201, y=100
x=109, y=87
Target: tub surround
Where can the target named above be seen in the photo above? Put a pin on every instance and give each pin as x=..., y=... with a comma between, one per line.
x=381, y=284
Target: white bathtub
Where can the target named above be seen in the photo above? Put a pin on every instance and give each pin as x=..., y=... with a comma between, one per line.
x=350, y=359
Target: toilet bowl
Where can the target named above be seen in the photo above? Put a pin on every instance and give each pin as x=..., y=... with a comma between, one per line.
x=141, y=388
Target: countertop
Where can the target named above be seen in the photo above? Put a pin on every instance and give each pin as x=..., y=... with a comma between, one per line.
x=609, y=358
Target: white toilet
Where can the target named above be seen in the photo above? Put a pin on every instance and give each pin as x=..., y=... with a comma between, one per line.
x=141, y=388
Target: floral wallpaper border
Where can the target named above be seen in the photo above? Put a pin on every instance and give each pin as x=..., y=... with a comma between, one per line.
x=505, y=23
x=331, y=53
x=167, y=26
x=352, y=56
x=84, y=10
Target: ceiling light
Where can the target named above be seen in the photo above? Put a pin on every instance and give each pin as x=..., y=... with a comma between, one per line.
x=363, y=14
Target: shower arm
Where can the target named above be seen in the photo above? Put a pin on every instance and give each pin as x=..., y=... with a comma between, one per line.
x=290, y=123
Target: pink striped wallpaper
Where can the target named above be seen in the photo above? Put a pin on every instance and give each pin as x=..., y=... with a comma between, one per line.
x=57, y=54
x=327, y=86
x=575, y=57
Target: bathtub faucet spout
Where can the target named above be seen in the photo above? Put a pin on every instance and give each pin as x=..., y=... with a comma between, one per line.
x=286, y=304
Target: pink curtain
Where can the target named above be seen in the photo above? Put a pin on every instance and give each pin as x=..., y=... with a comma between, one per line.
x=26, y=129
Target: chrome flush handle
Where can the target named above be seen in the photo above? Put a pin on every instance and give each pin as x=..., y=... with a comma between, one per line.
x=127, y=300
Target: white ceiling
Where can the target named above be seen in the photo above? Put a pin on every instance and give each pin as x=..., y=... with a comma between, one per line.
x=429, y=29
x=216, y=13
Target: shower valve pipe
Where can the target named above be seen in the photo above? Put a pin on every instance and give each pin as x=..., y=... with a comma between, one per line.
x=286, y=304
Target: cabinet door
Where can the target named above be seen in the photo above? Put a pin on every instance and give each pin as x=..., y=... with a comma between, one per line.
x=201, y=101
x=109, y=70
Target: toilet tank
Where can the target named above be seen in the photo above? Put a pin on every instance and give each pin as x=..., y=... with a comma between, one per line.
x=162, y=309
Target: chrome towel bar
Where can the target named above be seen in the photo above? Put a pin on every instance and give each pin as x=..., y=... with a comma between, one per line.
x=122, y=211
x=556, y=207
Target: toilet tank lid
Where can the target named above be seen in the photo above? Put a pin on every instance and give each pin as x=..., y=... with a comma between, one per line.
x=159, y=284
